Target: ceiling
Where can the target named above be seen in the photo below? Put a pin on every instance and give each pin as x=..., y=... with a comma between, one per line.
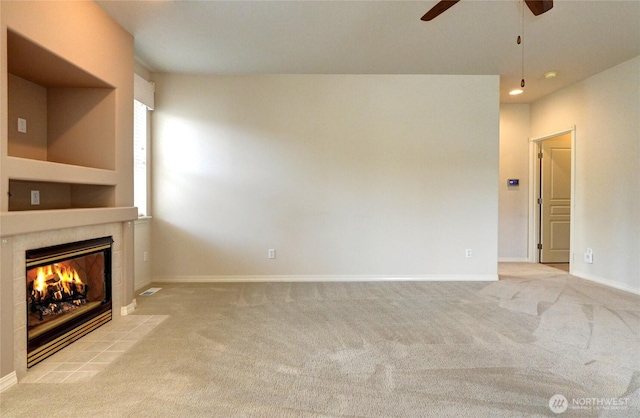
x=577, y=38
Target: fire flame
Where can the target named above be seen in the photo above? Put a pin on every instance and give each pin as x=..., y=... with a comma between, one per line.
x=65, y=280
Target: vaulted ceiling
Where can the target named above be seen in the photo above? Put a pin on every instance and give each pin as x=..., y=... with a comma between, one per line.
x=576, y=38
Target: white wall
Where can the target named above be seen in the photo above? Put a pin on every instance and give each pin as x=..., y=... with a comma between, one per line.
x=606, y=112
x=513, y=200
x=344, y=175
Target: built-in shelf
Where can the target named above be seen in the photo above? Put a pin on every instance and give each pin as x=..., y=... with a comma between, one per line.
x=69, y=114
x=50, y=195
x=63, y=124
x=67, y=186
x=35, y=170
x=68, y=150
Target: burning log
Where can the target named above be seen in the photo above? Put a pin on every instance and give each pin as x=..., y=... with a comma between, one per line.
x=80, y=287
x=56, y=289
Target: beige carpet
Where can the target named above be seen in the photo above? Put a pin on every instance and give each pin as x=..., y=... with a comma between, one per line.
x=390, y=349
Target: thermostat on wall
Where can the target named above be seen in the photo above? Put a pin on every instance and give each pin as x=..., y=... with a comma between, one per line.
x=514, y=182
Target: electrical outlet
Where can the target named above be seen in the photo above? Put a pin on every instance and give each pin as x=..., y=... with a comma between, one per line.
x=272, y=253
x=588, y=256
x=467, y=253
x=35, y=197
x=22, y=125
x=145, y=256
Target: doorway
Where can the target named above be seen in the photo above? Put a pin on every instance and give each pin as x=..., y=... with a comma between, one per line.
x=551, y=196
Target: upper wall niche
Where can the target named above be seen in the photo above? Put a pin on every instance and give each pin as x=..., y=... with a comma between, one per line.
x=34, y=63
x=70, y=114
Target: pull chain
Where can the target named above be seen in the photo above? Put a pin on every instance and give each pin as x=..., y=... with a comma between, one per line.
x=520, y=41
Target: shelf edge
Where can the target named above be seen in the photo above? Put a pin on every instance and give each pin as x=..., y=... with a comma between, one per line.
x=26, y=169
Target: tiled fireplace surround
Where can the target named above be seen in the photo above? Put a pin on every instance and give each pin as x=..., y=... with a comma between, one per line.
x=21, y=243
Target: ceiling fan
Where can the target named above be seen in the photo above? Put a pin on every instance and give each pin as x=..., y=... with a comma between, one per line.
x=537, y=7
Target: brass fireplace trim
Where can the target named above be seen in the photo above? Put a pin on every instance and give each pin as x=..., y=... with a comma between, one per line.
x=45, y=350
x=41, y=329
x=62, y=256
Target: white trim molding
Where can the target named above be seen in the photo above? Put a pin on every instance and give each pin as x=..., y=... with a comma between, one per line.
x=7, y=381
x=144, y=91
x=534, y=180
x=513, y=259
x=127, y=310
x=287, y=279
x=605, y=282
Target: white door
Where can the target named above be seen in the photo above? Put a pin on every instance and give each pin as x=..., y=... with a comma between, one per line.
x=555, y=193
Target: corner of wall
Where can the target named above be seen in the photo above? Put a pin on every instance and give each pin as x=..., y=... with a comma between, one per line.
x=513, y=164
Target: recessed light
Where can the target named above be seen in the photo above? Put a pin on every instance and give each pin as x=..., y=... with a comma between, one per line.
x=550, y=74
x=515, y=92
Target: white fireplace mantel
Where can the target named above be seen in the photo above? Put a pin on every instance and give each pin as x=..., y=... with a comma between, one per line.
x=14, y=247
x=25, y=222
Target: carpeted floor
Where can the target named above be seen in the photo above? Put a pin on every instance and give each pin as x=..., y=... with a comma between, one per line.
x=380, y=349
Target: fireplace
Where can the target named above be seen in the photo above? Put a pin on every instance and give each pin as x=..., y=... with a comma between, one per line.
x=68, y=294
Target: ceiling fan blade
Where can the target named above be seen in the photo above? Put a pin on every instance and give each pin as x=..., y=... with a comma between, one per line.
x=439, y=8
x=538, y=7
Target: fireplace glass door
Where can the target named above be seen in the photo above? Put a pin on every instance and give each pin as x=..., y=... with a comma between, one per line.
x=68, y=294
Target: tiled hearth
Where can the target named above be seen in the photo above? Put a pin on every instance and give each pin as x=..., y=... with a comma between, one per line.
x=85, y=358
x=21, y=243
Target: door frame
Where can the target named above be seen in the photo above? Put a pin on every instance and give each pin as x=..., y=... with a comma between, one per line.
x=534, y=186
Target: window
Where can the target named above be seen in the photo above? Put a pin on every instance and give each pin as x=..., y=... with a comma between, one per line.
x=140, y=146
x=143, y=93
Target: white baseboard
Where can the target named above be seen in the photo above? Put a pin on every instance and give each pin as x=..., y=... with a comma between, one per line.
x=605, y=282
x=7, y=381
x=285, y=279
x=513, y=260
x=126, y=310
